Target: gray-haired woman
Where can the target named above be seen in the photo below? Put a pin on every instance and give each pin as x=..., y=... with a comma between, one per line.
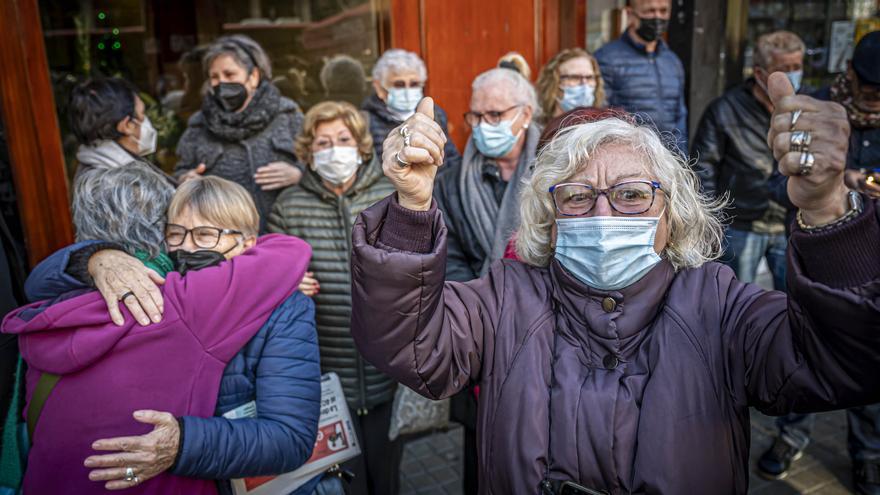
x=399, y=79
x=478, y=194
x=245, y=130
x=617, y=358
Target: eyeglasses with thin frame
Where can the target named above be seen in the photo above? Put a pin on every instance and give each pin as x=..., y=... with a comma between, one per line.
x=577, y=79
x=203, y=236
x=474, y=119
x=634, y=197
x=400, y=84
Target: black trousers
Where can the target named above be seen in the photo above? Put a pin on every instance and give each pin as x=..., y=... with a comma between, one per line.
x=377, y=469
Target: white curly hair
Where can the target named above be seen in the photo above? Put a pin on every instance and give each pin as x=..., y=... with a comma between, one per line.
x=694, y=220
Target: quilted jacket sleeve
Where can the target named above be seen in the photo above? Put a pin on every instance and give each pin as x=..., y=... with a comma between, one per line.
x=50, y=278
x=288, y=390
x=432, y=335
x=817, y=348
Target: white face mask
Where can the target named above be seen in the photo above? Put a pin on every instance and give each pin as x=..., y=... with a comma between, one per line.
x=147, y=141
x=337, y=164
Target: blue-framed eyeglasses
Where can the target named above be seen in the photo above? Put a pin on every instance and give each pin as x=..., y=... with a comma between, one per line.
x=634, y=197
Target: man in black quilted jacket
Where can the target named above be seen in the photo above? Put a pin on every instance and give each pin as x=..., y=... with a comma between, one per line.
x=732, y=157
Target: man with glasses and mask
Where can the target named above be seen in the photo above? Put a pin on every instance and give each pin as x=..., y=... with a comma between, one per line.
x=478, y=194
x=399, y=80
x=733, y=159
x=858, y=91
x=643, y=75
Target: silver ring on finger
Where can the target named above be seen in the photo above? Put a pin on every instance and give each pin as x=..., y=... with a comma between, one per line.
x=129, y=474
x=800, y=141
x=400, y=161
x=405, y=132
x=806, y=163
x=794, y=118
x=407, y=140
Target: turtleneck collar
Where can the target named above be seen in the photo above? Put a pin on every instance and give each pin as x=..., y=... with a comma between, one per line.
x=614, y=319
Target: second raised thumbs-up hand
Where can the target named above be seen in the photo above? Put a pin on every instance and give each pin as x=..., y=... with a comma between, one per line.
x=815, y=174
x=411, y=154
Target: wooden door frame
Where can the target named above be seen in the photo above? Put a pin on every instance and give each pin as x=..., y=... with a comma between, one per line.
x=32, y=131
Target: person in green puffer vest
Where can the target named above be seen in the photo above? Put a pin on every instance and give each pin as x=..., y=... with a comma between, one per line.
x=342, y=179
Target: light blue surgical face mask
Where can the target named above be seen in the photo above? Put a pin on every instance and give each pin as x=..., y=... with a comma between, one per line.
x=795, y=77
x=404, y=100
x=494, y=141
x=573, y=97
x=607, y=253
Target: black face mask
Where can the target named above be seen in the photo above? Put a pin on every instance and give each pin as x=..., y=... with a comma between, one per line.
x=185, y=261
x=652, y=28
x=230, y=96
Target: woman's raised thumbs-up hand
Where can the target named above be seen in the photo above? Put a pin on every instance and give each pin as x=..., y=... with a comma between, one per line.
x=809, y=138
x=411, y=154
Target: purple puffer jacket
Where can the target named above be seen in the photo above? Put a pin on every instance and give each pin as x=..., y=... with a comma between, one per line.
x=648, y=388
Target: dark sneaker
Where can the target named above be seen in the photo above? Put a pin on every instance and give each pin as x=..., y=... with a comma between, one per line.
x=774, y=464
x=866, y=476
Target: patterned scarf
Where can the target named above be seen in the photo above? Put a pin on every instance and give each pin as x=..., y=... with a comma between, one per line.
x=238, y=126
x=841, y=92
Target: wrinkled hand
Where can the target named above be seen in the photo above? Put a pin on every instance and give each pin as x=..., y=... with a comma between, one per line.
x=148, y=455
x=192, y=174
x=821, y=195
x=864, y=183
x=277, y=175
x=309, y=285
x=415, y=182
x=116, y=273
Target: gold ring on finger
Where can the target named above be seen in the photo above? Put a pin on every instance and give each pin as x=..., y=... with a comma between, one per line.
x=400, y=161
x=794, y=118
x=806, y=163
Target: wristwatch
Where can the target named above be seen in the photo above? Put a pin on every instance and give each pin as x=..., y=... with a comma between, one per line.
x=855, y=207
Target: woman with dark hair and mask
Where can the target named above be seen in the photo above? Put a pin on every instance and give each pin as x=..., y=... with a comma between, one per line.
x=245, y=129
x=107, y=117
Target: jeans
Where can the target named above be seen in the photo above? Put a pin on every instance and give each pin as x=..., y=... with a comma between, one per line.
x=863, y=440
x=744, y=250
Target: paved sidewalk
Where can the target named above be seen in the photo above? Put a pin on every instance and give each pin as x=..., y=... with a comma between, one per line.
x=432, y=465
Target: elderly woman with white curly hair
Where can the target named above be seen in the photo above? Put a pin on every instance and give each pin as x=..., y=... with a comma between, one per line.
x=399, y=79
x=619, y=358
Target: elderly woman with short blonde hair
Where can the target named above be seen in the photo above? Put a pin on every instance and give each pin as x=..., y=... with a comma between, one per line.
x=619, y=358
x=343, y=178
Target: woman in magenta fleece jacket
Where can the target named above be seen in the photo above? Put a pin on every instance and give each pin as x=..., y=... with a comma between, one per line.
x=109, y=371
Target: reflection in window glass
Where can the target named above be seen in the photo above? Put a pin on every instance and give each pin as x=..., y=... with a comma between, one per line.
x=319, y=49
x=828, y=28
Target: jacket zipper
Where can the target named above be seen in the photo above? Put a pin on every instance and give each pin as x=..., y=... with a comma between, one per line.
x=345, y=214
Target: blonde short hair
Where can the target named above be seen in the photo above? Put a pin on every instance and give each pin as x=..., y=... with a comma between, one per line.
x=776, y=42
x=328, y=111
x=695, y=229
x=219, y=201
x=548, y=80
x=518, y=61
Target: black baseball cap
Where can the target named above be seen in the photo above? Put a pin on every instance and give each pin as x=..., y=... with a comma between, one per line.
x=866, y=59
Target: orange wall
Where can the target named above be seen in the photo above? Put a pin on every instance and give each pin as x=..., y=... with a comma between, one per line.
x=459, y=39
